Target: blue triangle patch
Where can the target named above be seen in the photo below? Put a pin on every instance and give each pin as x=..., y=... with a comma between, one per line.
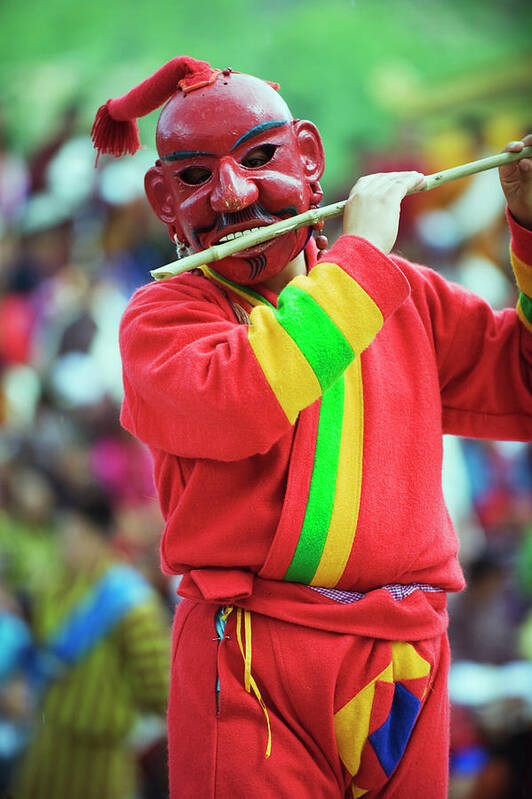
x=390, y=740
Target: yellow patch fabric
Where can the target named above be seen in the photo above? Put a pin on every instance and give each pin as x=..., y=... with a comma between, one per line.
x=407, y=662
x=351, y=722
x=351, y=725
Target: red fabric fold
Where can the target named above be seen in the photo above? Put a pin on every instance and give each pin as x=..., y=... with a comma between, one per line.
x=217, y=585
x=420, y=615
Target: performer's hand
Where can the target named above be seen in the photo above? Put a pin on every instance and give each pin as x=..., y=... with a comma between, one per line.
x=374, y=204
x=516, y=182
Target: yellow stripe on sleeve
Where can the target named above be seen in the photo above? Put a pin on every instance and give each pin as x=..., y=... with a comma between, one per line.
x=346, y=506
x=286, y=369
x=353, y=311
x=523, y=274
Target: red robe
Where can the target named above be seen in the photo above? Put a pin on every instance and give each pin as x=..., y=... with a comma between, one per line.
x=303, y=450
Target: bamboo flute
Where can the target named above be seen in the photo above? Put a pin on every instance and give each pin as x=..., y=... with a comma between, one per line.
x=267, y=232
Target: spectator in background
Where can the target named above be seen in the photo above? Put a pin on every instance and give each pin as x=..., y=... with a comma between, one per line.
x=42, y=157
x=16, y=651
x=481, y=625
x=105, y=659
x=14, y=178
x=28, y=554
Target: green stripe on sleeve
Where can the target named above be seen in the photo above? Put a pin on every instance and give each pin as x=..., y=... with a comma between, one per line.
x=526, y=306
x=321, y=342
x=322, y=487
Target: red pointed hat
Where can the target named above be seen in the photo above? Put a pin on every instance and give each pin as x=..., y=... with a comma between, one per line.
x=115, y=129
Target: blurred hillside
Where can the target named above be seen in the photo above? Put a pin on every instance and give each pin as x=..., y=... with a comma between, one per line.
x=358, y=68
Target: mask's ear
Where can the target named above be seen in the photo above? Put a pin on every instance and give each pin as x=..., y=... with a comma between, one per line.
x=312, y=156
x=161, y=199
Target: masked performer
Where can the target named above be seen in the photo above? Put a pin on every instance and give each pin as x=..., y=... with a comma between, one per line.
x=295, y=410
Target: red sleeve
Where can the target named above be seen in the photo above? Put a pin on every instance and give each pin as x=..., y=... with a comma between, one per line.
x=484, y=357
x=177, y=396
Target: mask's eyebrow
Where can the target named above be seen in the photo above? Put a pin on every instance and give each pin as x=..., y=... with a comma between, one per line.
x=258, y=129
x=180, y=155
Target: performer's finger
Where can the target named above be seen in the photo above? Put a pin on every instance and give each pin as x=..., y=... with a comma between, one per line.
x=525, y=164
x=514, y=146
x=407, y=181
x=392, y=180
x=517, y=170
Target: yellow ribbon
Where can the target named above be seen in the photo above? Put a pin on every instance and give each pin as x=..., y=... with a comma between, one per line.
x=245, y=650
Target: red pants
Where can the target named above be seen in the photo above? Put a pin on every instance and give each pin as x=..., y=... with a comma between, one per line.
x=350, y=716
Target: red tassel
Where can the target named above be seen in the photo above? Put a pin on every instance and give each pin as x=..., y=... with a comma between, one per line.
x=112, y=136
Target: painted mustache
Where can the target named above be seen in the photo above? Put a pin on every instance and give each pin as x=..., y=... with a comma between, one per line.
x=253, y=213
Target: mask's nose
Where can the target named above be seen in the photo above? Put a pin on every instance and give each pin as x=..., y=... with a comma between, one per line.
x=233, y=190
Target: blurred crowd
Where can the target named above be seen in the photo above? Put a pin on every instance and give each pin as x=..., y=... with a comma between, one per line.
x=79, y=523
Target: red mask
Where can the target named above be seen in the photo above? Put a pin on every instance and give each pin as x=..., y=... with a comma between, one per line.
x=232, y=159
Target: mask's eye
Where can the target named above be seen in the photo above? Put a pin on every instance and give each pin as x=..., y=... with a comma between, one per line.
x=259, y=156
x=194, y=175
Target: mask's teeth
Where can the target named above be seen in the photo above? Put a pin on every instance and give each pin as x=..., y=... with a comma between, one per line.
x=237, y=234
